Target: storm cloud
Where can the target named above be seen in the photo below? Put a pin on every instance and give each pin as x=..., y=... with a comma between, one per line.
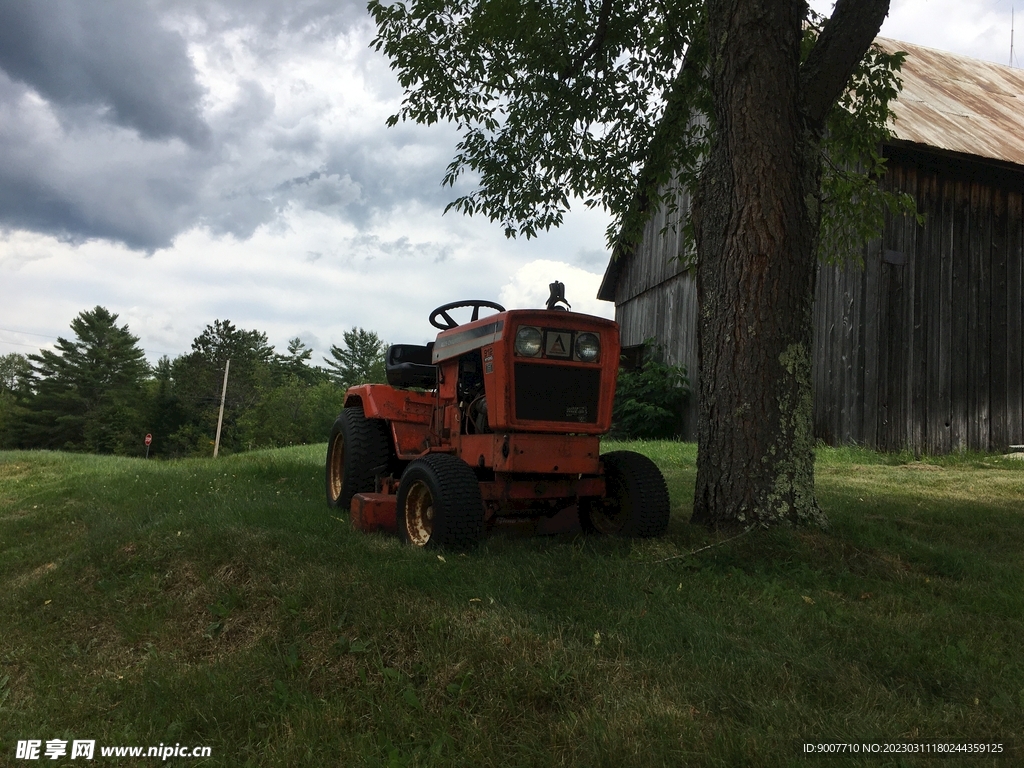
x=110, y=59
x=135, y=122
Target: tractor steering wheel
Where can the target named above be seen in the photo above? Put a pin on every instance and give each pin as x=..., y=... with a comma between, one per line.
x=476, y=304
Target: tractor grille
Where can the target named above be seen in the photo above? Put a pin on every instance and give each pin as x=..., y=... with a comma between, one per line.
x=557, y=393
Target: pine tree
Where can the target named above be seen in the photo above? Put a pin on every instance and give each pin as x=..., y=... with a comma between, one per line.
x=296, y=365
x=360, y=361
x=88, y=391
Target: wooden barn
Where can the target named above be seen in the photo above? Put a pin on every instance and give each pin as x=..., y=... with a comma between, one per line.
x=922, y=348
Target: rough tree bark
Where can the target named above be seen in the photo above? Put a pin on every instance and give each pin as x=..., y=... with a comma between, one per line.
x=756, y=218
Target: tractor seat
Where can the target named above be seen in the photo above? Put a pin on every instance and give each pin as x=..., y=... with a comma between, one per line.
x=409, y=365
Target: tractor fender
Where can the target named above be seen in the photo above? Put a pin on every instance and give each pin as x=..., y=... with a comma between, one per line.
x=382, y=401
x=408, y=414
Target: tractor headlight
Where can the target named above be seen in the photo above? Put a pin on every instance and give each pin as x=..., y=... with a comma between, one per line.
x=528, y=341
x=588, y=347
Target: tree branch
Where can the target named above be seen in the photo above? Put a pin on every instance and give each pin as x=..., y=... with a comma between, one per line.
x=595, y=46
x=842, y=43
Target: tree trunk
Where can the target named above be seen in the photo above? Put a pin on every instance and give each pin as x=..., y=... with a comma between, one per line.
x=756, y=218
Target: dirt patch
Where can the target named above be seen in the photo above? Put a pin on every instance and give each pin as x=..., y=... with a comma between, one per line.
x=32, y=576
x=9, y=470
x=920, y=465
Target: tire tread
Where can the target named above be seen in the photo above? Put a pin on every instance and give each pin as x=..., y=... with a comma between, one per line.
x=367, y=452
x=647, y=491
x=459, y=515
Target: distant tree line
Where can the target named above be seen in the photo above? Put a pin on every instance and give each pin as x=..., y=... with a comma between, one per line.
x=95, y=392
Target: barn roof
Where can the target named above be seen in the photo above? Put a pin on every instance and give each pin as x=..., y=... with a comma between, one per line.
x=959, y=104
x=949, y=103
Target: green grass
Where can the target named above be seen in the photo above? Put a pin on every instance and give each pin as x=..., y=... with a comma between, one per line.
x=219, y=603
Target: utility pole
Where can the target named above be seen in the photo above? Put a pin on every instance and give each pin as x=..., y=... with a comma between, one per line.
x=220, y=418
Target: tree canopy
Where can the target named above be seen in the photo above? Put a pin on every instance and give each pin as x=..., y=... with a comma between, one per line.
x=96, y=393
x=86, y=391
x=606, y=103
x=359, y=361
x=15, y=371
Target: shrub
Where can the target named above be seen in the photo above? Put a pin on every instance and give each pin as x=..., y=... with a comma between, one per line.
x=649, y=400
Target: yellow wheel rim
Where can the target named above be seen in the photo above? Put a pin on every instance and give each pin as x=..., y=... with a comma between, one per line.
x=610, y=519
x=337, y=466
x=419, y=514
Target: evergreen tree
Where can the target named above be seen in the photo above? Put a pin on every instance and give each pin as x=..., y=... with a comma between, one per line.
x=198, y=377
x=165, y=414
x=296, y=363
x=360, y=361
x=88, y=391
x=15, y=389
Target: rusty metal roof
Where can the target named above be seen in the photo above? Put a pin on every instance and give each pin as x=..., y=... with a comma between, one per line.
x=949, y=102
x=959, y=104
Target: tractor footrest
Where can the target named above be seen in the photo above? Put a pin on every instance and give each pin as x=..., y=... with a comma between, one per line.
x=374, y=512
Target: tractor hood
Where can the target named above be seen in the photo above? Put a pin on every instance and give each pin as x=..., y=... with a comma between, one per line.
x=503, y=326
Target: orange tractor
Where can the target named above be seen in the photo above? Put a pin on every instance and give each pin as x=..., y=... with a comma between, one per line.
x=497, y=420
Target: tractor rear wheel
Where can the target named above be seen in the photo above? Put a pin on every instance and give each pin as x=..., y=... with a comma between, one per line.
x=439, y=503
x=358, y=450
x=636, y=500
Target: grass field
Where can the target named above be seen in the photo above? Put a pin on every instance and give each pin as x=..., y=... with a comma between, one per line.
x=219, y=603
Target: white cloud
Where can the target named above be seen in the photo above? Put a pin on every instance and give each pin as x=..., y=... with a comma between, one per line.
x=528, y=288
x=979, y=28
x=309, y=276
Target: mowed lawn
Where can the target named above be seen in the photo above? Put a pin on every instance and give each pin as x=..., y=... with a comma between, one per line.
x=219, y=603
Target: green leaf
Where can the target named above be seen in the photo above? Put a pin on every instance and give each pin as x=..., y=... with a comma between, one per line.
x=410, y=698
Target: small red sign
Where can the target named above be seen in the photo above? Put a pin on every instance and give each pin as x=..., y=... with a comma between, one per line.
x=149, y=439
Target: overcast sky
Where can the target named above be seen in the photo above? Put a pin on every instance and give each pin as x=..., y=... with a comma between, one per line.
x=179, y=161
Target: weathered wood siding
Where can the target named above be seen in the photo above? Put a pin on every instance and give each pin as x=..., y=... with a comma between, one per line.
x=655, y=298
x=926, y=355
x=922, y=348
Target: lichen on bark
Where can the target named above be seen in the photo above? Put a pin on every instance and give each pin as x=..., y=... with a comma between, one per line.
x=791, y=499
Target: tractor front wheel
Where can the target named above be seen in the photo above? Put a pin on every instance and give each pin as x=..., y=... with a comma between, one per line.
x=358, y=450
x=636, y=500
x=439, y=503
